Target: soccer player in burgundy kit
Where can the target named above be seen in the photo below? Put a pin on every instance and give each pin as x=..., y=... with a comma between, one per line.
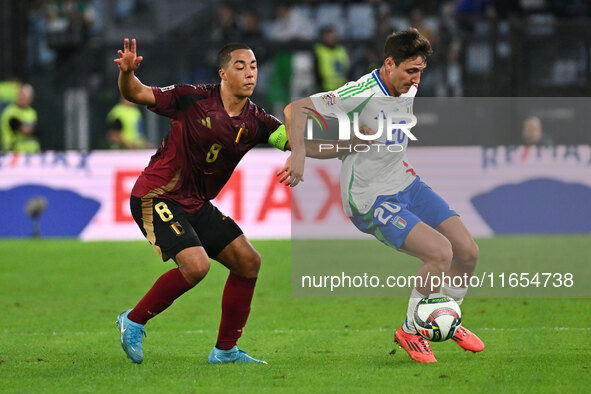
x=212, y=128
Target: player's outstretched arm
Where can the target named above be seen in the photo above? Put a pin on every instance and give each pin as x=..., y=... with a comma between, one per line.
x=329, y=149
x=295, y=124
x=285, y=172
x=129, y=85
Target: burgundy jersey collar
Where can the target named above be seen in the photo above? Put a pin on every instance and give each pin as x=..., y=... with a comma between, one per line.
x=245, y=108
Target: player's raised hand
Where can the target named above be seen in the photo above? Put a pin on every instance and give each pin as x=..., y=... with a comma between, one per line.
x=128, y=59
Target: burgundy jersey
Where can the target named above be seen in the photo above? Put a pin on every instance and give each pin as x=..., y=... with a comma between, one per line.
x=203, y=147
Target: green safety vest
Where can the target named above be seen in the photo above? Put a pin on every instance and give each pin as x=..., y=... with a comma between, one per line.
x=12, y=140
x=130, y=118
x=9, y=91
x=333, y=65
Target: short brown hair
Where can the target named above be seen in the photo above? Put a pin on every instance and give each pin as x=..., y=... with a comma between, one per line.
x=406, y=44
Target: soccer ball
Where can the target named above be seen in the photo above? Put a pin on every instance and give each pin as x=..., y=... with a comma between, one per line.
x=437, y=317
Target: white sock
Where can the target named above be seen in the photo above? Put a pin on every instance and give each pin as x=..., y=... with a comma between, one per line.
x=457, y=293
x=409, y=324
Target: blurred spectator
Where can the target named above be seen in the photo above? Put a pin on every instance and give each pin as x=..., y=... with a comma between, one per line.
x=332, y=61
x=18, y=123
x=331, y=14
x=124, y=9
x=533, y=134
x=250, y=27
x=226, y=28
x=38, y=52
x=416, y=21
x=384, y=25
x=125, y=126
x=470, y=12
x=8, y=91
x=360, y=21
x=290, y=24
x=69, y=25
x=446, y=59
x=367, y=62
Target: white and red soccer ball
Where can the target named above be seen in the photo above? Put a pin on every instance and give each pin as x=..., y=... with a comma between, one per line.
x=437, y=317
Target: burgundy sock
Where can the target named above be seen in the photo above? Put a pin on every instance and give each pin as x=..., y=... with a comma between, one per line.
x=235, y=309
x=167, y=288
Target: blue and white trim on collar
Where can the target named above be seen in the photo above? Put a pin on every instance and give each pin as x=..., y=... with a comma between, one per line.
x=376, y=75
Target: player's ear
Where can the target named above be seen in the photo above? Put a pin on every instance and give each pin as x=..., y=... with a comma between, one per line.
x=222, y=74
x=389, y=63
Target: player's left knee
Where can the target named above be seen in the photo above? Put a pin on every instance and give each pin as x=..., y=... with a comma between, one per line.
x=250, y=265
x=468, y=253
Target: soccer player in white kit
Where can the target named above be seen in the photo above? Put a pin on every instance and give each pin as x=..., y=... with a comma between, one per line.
x=380, y=190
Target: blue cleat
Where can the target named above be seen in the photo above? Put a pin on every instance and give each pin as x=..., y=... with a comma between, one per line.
x=233, y=355
x=131, y=337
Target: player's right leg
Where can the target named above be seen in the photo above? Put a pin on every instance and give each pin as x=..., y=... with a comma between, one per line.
x=465, y=253
x=391, y=222
x=435, y=251
x=244, y=262
x=167, y=228
x=437, y=213
x=225, y=242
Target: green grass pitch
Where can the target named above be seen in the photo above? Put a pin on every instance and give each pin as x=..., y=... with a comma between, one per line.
x=59, y=300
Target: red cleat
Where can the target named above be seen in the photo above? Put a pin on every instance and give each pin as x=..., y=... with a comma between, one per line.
x=417, y=347
x=468, y=340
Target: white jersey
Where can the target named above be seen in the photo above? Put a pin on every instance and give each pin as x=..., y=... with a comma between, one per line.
x=367, y=175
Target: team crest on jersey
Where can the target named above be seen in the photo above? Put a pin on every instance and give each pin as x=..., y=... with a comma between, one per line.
x=167, y=88
x=399, y=222
x=177, y=228
x=242, y=131
x=329, y=99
